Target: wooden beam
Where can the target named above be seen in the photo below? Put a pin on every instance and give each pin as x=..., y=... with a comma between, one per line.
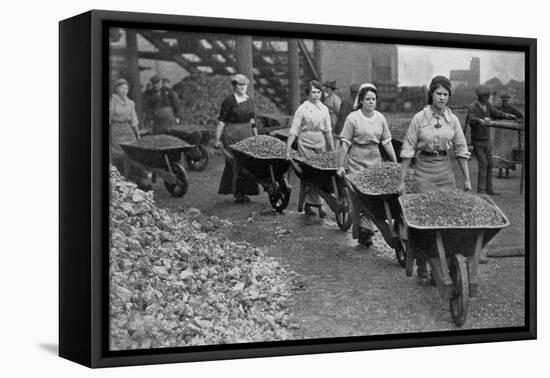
x=165, y=49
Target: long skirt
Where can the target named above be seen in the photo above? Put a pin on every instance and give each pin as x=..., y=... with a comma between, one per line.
x=311, y=143
x=433, y=173
x=232, y=133
x=121, y=132
x=361, y=157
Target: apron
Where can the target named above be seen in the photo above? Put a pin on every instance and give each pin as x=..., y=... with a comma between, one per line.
x=433, y=173
x=164, y=119
x=361, y=157
x=311, y=143
x=121, y=132
x=232, y=133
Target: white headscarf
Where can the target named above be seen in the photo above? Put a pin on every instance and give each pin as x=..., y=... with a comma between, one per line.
x=362, y=86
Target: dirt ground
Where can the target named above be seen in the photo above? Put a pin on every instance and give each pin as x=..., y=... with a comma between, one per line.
x=352, y=291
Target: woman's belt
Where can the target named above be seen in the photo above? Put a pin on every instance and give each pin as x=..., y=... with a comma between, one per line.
x=434, y=153
x=365, y=145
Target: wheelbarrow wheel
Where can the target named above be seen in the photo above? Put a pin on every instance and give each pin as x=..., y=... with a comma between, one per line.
x=459, y=302
x=182, y=184
x=281, y=196
x=197, y=163
x=343, y=215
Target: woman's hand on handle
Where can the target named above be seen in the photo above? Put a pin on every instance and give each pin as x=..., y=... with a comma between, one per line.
x=341, y=171
x=217, y=144
x=467, y=187
x=402, y=189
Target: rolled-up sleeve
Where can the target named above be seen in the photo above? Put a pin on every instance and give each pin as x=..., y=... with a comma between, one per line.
x=133, y=115
x=328, y=126
x=111, y=109
x=347, y=131
x=296, y=122
x=411, y=139
x=385, y=137
x=459, y=140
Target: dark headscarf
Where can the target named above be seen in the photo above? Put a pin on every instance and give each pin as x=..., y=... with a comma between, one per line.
x=436, y=82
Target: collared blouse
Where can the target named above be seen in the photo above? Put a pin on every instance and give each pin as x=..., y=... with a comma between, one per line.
x=362, y=130
x=311, y=117
x=122, y=110
x=423, y=135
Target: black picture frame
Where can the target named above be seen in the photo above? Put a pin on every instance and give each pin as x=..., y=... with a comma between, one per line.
x=84, y=188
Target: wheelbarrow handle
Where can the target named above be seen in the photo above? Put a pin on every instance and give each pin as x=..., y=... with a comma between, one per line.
x=295, y=166
x=228, y=155
x=349, y=184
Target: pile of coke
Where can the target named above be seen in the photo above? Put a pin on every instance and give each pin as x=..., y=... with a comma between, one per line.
x=324, y=160
x=262, y=146
x=381, y=179
x=450, y=208
x=159, y=142
x=173, y=283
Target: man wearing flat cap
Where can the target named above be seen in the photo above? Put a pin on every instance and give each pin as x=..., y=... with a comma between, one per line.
x=332, y=101
x=506, y=107
x=479, y=113
x=345, y=108
x=161, y=106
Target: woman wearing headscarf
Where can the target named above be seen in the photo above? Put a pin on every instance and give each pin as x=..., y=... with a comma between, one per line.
x=236, y=122
x=364, y=129
x=432, y=133
x=123, y=124
x=313, y=131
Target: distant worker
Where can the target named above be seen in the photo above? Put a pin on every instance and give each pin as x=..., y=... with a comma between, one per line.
x=510, y=109
x=161, y=106
x=506, y=107
x=332, y=101
x=345, y=108
x=165, y=82
x=479, y=113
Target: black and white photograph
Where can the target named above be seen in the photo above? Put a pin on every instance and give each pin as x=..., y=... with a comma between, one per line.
x=274, y=189
x=270, y=189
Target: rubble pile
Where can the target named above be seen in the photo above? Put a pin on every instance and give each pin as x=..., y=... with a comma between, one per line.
x=450, y=208
x=173, y=283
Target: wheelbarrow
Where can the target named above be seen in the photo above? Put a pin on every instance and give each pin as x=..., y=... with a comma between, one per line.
x=162, y=162
x=268, y=172
x=453, y=254
x=384, y=211
x=327, y=184
x=197, y=157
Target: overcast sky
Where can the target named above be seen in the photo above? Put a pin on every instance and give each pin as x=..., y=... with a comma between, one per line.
x=417, y=64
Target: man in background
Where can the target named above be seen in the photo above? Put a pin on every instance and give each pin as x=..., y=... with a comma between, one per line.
x=479, y=113
x=506, y=107
x=345, y=108
x=332, y=101
x=161, y=106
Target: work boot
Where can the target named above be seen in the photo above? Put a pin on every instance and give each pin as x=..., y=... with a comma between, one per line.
x=308, y=210
x=422, y=270
x=365, y=237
